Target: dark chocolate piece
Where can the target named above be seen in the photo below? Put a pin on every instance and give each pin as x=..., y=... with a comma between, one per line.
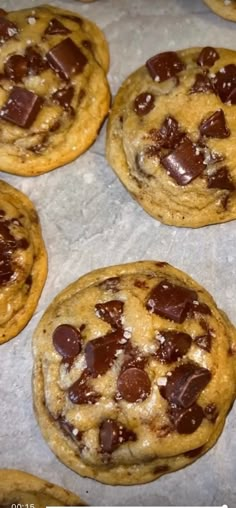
x=16, y=67
x=144, y=103
x=171, y=301
x=214, y=126
x=199, y=308
x=64, y=97
x=67, y=341
x=134, y=385
x=2, y=12
x=69, y=429
x=22, y=107
x=55, y=27
x=173, y=345
x=161, y=469
x=225, y=83
x=100, y=353
x=194, y=453
x=164, y=66
x=207, y=57
x=7, y=29
x=186, y=421
x=202, y=84
x=204, y=342
x=185, y=384
x=66, y=58
x=111, y=312
x=35, y=61
x=8, y=245
x=81, y=392
x=185, y=163
x=220, y=180
x=211, y=412
x=113, y=434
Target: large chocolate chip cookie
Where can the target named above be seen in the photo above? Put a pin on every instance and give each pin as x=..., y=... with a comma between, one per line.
x=224, y=8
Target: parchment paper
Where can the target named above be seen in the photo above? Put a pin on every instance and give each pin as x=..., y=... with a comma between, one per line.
x=89, y=220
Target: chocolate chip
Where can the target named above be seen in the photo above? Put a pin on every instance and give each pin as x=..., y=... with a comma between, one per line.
x=185, y=384
x=7, y=29
x=76, y=19
x=64, y=97
x=185, y=163
x=140, y=284
x=134, y=385
x=225, y=83
x=8, y=245
x=194, y=453
x=204, y=342
x=170, y=301
x=170, y=133
x=161, y=469
x=173, y=346
x=16, y=67
x=69, y=429
x=2, y=12
x=164, y=66
x=199, y=308
x=35, y=61
x=144, y=103
x=56, y=27
x=100, y=353
x=111, y=312
x=22, y=244
x=67, y=341
x=214, y=126
x=220, y=180
x=208, y=57
x=67, y=59
x=112, y=434
x=111, y=284
x=187, y=421
x=81, y=392
x=132, y=358
x=202, y=84
x=22, y=107
x=211, y=412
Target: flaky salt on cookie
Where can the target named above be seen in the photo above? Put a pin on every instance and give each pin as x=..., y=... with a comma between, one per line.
x=134, y=373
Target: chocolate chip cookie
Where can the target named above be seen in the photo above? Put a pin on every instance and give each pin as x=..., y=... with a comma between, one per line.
x=171, y=136
x=133, y=372
x=23, y=489
x=54, y=93
x=23, y=261
x=224, y=8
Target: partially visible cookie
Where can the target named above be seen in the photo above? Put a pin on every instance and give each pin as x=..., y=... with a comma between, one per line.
x=134, y=373
x=23, y=489
x=23, y=261
x=54, y=93
x=224, y=8
x=171, y=136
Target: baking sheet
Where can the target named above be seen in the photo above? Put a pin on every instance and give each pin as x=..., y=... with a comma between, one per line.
x=89, y=221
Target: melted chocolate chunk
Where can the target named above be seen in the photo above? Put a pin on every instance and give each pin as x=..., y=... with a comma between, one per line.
x=56, y=27
x=215, y=126
x=194, y=453
x=132, y=358
x=134, y=385
x=186, y=421
x=66, y=59
x=204, y=342
x=173, y=346
x=207, y=57
x=202, y=84
x=8, y=245
x=211, y=412
x=16, y=67
x=111, y=312
x=225, y=83
x=144, y=103
x=161, y=469
x=185, y=384
x=164, y=66
x=7, y=29
x=170, y=133
x=220, y=180
x=170, y=301
x=185, y=163
x=100, y=353
x=81, y=392
x=35, y=61
x=22, y=107
x=69, y=429
x=113, y=434
x=22, y=244
x=199, y=308
x=67, y=341
x=64, y=97
x=2, y=12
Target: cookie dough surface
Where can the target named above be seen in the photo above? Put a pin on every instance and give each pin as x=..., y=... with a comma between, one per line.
x=23, y=261
x=224, y=8
x=20, y=488
x=54, y=93
x=133, y=373
x=171, y=136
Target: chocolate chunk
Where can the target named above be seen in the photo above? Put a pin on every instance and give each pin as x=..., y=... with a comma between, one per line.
x=64, y=97
x=132, y=358
x=112, y=434
x=207, y=57
x=187, y=421
x=56, y=27
x=134, y=385
x=111, y=312
x=200, y=308
x=81, y=392
x=67, y=341
x=22, y=107
x=161, y=469
x=111, y=284
x=16, y=67
x=2, y=12
x=170, y=301
x=164, y=66
x=204, y=342
x=173, y=346
x=185, y=163
x=202, y=84
x=35, y=61
x=225, y=83
x=144, y=103
x=8, y=245
x=66, y=58
x=220, y=180
x=76, y=19
x=214, y=126
x=194, y=453
x=185, y=384
x=140, y=284
x=69, y=429
x=100, y=353
x=170, y=133
x=7, y=29
x=211, y=412
x=22, y=244
x=29, y=280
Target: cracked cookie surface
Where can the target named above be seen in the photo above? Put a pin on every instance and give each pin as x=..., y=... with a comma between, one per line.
x=23, y=261
x=171, y=136
x=224, y=8
x=134, y=372
x=54, y=93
